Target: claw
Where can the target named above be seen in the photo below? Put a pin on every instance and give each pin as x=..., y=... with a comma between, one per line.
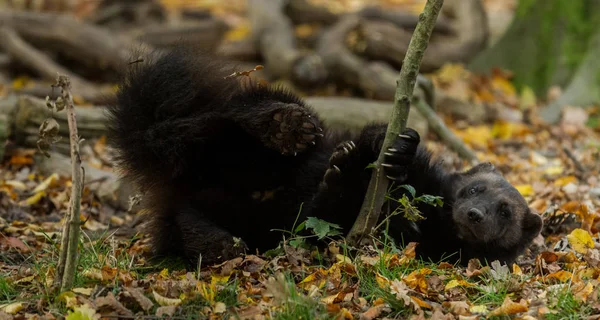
x=352, y=143
x=336, y=168
x=404, y=136
x=320, y=129
x=392, y=150
x=389, y=154
x=387, y=165
x=345, y=150
x=313, y=143
x=391, y=178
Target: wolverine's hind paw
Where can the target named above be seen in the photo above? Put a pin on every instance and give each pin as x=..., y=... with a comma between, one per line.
x=293, y=130
x=399, y=157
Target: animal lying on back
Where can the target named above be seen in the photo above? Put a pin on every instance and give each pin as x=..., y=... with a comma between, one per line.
x=220, y=159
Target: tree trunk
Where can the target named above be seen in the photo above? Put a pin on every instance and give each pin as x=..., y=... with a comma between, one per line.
x=547, y=44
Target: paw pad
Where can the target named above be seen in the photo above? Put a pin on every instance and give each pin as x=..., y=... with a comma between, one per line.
x=293, y=130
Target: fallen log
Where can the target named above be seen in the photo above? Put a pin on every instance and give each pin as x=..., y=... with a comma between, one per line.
x=458, y=38
x=40, y=63
x=206, y=34
x=375, y=79
x=273, y=34
x=83, y=42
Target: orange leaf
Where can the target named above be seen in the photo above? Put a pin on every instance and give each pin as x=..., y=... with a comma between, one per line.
x=509, y=307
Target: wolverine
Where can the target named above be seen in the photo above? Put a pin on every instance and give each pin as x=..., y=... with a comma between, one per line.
x=220, y=159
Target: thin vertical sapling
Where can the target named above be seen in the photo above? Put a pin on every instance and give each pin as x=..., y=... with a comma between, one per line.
x=67, y=263
x=375, y=196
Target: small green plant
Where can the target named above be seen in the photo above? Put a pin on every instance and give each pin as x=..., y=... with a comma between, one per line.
x=408, y=207
x=318, y=227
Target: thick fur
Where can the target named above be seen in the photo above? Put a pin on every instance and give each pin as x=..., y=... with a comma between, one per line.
x=222, y=161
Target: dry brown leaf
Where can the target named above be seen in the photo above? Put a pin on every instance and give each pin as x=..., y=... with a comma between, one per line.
x=138, y=295
x=109, y=301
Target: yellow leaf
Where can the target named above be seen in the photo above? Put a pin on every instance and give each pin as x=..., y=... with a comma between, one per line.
x=525, y=189
x=84, y=291
x=580, y=240
x=382, y=281
x=238, y=33
x=509, y=307
x=220, y=307
x=164, y=301
x=455, y=283
x=503, y=85
x=528, y=98
x=561, y=275
x=83, y=312
x=480, y=309
x=12, y=308
x=16, y=184
x=21, y=82
x=517, y=270
x=583, y=293
x=476, y=135
x=164, y=273
x=561, y=182
x=34, y=198
x=46, y=183
x=416, y=279
x=554, y=170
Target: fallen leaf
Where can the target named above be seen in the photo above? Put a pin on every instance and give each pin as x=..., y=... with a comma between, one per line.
x=12, y=308
x=83, y=312
x=508, y=307
x=138, y=295
x=164, y=301
x=562, y=275
x=455, y=283
x=525, y=189
x=580, y=240
x=166, y=310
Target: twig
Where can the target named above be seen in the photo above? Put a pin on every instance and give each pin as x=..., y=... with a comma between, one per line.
x=576, y=162
x=375, y=196
x=423, y=100
x=70, y=237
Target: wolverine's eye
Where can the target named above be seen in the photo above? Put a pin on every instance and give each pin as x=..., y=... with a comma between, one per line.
x=472, y=191
x=504, y=211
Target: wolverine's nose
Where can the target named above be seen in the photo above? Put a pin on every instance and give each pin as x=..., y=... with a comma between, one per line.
x=475, y=215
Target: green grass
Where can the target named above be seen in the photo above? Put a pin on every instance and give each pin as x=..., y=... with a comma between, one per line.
x=7, y=291
x=294, y=305
x=563, y=304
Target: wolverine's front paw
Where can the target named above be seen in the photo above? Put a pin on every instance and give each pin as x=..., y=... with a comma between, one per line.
x=340, y=160
x=398, y=158
x=293, y=130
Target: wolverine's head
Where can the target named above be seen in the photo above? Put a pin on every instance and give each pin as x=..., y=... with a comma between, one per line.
x=489, y=211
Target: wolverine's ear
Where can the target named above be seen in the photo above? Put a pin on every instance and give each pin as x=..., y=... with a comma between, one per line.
x=532, y=224
x=482, y=168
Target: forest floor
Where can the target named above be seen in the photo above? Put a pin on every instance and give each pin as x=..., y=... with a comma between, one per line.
x=554, y=167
